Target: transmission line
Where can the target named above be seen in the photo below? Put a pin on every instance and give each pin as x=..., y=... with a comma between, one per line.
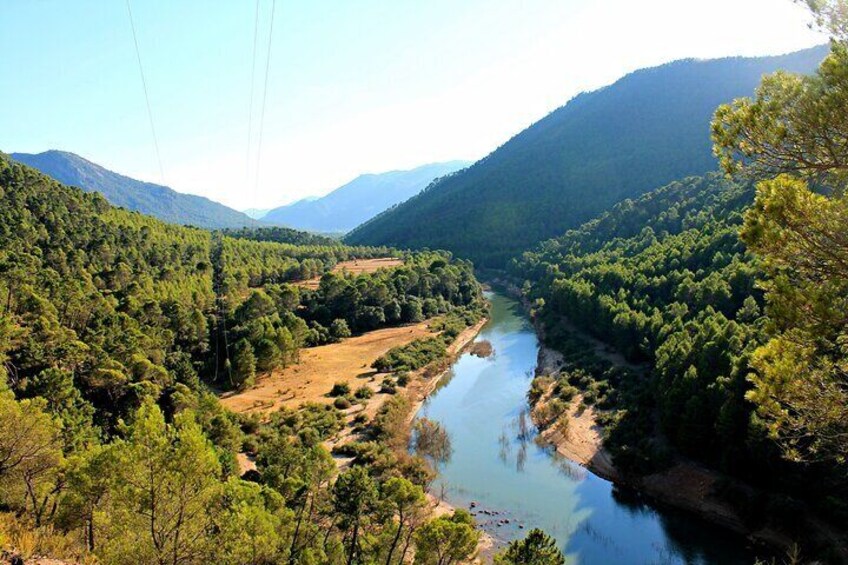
x=146, y=96
x=264, y=95
x=250, y=110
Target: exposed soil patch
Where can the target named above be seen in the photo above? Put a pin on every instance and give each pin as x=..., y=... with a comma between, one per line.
x=356, y=266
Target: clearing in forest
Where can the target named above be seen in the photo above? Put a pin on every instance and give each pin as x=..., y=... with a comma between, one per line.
x=356, y=267
x=320, y=367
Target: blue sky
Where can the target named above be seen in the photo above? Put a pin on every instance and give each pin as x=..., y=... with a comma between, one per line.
x=354, y=85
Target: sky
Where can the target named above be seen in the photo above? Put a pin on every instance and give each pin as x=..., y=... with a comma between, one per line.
x=353, y=86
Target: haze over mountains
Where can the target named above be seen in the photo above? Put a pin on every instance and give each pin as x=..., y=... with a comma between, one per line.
x=359, y=200
x=649, y=128
x=145, y=197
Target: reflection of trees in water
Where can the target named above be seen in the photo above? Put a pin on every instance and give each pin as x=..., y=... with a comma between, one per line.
x=566, y=467
x=522, y=429
x=631, y=501
x=600, y=538
x=443, y=381
x=521, y=457
x=431, y=441
x=503, y=452
x=685, y=539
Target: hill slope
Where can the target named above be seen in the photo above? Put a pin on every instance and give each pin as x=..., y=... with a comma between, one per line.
x=147, y=198
x=666, y=280
x=647, y=129
x=359, y=200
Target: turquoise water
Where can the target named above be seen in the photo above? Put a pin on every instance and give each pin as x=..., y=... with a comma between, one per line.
x=482, y=404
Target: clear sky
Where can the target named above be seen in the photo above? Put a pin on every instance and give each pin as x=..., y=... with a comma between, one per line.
x=353, y=86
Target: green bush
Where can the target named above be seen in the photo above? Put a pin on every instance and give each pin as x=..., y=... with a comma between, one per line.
x=412, y=356
x=364, y=392
x=342, y=403
x=340, y=389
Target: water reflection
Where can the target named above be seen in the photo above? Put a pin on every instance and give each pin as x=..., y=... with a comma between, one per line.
x=505, y=447
x=499, y=469
x=431, y=441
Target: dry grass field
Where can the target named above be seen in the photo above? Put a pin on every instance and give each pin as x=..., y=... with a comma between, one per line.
x=356, y=267
x=320, y=367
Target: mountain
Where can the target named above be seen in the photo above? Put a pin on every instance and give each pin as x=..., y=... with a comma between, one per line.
x=666, y=280
x=148, y=198
x=256, y=213
x=359, y=200
x=645, y=130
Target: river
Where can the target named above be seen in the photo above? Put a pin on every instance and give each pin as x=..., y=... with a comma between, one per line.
x=496, y=464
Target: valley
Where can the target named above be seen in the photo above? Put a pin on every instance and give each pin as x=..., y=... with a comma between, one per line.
x=482, y=405
x=620, y=335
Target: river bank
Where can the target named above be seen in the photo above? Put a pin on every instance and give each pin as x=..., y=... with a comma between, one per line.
x=427, y=380
x=511, y=482
x=685, y=484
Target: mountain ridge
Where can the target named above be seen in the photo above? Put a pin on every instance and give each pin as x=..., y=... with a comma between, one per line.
x=120, y=190
x=646, y=129
x=356, y=201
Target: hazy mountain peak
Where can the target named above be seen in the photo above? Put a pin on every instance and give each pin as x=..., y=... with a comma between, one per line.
x=360, y=199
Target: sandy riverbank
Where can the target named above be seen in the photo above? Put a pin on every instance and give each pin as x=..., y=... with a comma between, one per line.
x=685, y=485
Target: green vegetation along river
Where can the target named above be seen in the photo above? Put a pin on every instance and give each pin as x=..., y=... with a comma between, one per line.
x=497, y=467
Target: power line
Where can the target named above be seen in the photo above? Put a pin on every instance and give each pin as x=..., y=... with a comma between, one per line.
x=264, y=95
x=146, y=96
x=250, y=111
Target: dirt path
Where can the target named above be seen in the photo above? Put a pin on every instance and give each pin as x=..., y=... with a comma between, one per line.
x=356, y=266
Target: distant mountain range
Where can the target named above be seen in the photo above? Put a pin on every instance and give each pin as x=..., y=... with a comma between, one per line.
x=359, y=200
x=148, y=198
x=256, y=213
x=649, y=128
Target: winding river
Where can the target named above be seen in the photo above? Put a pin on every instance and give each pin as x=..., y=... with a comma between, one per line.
x=515, y=484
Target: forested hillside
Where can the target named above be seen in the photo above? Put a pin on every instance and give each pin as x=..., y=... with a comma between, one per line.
x=359, y=200
x=665, y=279
x=112, y=326
x=281, y=235
x=145, y=197
x=732, y=294
x=648, y=129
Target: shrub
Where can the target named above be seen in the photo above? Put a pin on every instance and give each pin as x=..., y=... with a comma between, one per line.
x=390, y=421
x=340, y=389
x=364, y=392
x=250, y=444
x=411, y=356
x=339, y=329
x=537, y=388
x=342, y=403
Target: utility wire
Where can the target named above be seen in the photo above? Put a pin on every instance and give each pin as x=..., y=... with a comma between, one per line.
x=250, y=111
x=146, y=96
x=264, y=95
